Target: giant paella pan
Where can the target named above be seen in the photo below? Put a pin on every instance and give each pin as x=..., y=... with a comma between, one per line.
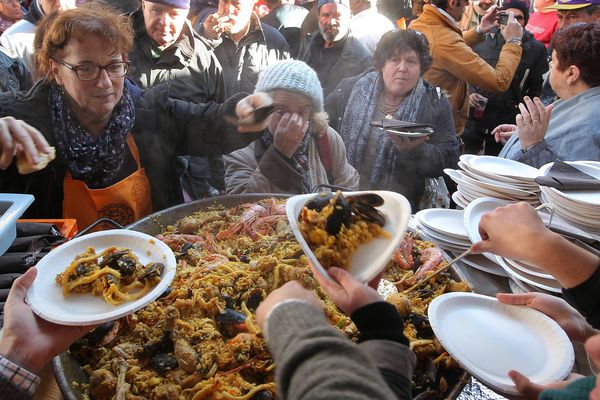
x=199, y=339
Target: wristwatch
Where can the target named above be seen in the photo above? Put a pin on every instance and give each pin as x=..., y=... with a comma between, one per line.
x=515, y=40
x=478, y=30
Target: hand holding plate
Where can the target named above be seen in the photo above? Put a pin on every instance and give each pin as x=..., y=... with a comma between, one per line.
x=28, y=340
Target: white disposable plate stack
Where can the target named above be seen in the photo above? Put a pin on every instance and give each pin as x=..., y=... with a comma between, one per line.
x=501, y=178
x=527, y=276
x=581, y=208
x=446, y=229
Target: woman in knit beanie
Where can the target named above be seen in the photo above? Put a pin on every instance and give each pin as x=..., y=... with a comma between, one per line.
x=297, y=151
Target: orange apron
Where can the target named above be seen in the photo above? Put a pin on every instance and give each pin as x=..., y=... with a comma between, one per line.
x=124, y=202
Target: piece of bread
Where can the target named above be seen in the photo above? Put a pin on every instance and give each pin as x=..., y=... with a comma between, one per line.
x=25, y=167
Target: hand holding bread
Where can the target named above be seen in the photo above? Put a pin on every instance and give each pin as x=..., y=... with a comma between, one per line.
x=20, y=139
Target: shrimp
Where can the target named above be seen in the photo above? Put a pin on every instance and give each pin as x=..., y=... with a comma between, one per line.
x=430, y=258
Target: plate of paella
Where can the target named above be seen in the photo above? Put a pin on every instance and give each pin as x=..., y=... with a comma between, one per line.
x=356, y=231
x=101, y=277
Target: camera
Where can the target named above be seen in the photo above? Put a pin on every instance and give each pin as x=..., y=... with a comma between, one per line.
x=502, y=18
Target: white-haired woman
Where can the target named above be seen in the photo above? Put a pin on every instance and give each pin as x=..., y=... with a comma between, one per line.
x=298, y=150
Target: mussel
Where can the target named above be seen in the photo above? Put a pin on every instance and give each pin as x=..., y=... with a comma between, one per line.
x=153, y=270
x=231, y=322
x=362, y=206
x=119, y=261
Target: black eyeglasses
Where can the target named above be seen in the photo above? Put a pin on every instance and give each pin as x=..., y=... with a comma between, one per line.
x=117, y=69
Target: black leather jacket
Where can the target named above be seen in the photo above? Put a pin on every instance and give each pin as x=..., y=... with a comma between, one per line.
x=503, y=108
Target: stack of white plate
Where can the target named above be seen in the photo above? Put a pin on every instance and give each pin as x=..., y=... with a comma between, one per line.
x=580, y=208
x=501, y=178
x=526, y=275
x=447, y=230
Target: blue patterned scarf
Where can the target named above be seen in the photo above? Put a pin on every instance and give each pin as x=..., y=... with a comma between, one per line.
x=356, y=125
x=93, y=160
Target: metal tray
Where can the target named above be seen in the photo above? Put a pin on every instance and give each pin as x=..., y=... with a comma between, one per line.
x=67, y=369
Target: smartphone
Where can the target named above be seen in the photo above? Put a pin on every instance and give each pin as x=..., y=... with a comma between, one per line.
x=502, y=18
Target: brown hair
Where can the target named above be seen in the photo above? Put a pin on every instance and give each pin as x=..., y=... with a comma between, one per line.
x=92, y=18
x=579, y=45
x=400, y=41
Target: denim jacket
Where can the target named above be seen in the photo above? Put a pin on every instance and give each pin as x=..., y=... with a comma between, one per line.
x=573, y=133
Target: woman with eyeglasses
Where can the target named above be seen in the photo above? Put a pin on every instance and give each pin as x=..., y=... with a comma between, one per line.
x=395, y=89
x=115, y=145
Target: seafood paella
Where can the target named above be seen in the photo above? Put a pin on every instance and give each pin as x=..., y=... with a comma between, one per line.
x=199, y=340
x=116, y=274
x=334, y=226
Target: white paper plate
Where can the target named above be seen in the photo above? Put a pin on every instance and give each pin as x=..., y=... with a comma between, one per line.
x=473, y=213
x=550, y=285
x=585, y=197
x=523, y=186
x=505, y=190
x=447, y=222
x=528, y=269
x=489, y=339
x=395, y=132
x=504, y=167
x=372, y=257
x=460, y=200
x=45, y=295
x=440, y=236
x=484, y=264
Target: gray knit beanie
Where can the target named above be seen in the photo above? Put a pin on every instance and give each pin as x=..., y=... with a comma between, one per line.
x=294, y=76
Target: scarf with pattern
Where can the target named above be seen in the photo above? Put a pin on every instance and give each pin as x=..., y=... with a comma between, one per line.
x=93, y=160
x=356, y=125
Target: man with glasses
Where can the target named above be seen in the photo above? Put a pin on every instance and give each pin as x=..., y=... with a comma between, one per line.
x=167, y=48
x=490, y=109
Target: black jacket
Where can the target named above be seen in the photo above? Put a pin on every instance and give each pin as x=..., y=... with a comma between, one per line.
x=164, y=128
x=190, y=63
x=13, y=74
x=262, y=46
x=354, y=59
x=426, y=161
x=287, y=19
x=503, y=108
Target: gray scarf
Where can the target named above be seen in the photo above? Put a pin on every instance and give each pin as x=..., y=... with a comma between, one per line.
x=356, y=128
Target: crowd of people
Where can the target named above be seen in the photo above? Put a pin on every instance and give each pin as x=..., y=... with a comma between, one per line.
x=147, y=104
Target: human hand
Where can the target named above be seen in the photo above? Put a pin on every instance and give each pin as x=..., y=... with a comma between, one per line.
x=568, y=318
x=289, y=133
x=215, y=25
x=28, y=340
x=404, y=144
x=503, y=132
x=346, y=292
x=291, y=290
x=513, y=231
x=245, y=109
x=513, y=28
x=532, y=390
x=475, y=99
x=533, y=121
x=489, y=20
x=17, y=136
